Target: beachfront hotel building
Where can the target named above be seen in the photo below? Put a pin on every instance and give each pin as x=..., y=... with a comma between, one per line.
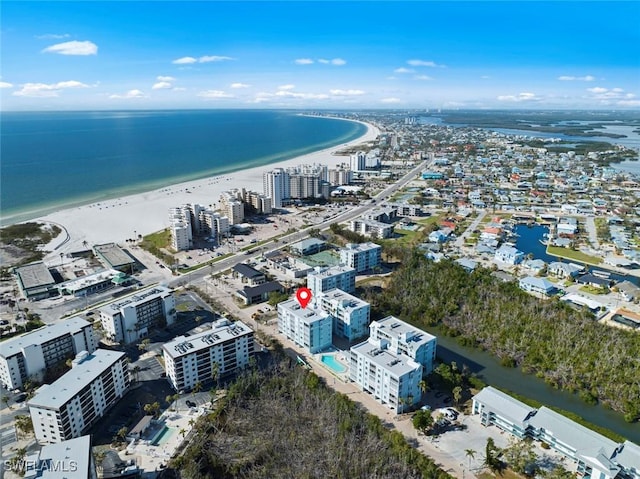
x=232, y=207
x=340, y=176
x=28, y=356
x=308, y=327
x=276, y=186
x=68, y=407
x=130, y=318
x=180, y=228
x=190, y=360
x=113, y=256
x=72, y=458
x=392, y=379
x=335, y=277
x=403, y=339
x=593, y=455
x=191, y=220
x=361, y=257
x=350, y=314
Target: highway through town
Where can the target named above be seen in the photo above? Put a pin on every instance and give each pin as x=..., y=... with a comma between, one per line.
x=217, y=267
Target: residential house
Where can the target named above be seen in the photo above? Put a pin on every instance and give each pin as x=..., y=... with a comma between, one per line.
x=509, y=255
x=532, y=284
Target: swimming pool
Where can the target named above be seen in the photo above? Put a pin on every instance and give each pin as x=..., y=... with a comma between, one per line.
x=332, y=363
x=163, y=436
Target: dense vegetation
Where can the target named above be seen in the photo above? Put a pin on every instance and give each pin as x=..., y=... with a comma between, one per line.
x=564, y=346
x=284, y=422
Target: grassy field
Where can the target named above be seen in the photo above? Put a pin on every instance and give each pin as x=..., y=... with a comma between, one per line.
x=159, y=239
x=571, y=254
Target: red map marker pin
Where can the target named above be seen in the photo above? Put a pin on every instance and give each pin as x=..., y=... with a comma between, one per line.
x=303, y=295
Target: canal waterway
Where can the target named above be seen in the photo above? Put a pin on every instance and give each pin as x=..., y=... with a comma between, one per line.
x=487, y=368
x=528, y=241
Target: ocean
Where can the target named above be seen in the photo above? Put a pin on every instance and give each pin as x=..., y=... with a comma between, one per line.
x=54, y=160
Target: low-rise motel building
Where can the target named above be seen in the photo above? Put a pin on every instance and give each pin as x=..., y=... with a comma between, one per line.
x=68, y=407
x=392, y=362
x=191, y=360
x=594, y=456
x=130, y=318
x=28, y=356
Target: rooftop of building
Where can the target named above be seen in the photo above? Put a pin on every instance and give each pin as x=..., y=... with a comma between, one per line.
x=396, y=365
x=35, y=275
x=90, y=279
x=247, y=271
x=83, y=373
x=307, y=315
x=308, y=243
x=504, y=405
x=404, y=331
x=61, y=460
x=135, y=298
x=346, y=300
x=113, y=255
x=221, y=331
x=361, y=247
x=332, y=271
x=42, y=335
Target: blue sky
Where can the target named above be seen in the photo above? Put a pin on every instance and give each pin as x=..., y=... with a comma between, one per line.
x=145, y=55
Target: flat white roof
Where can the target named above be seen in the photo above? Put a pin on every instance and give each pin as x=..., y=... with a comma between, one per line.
x=138, y=297
x=42, y=335
x=361, y=247
x=348, y=301
x=57, y=394
x=397, y=328
x=221, y=332
x=35, y=275
x=67, y=459
x=332, y=271
x=89, y=280
x=504, y=405
x=307, y=315
x=395, y=365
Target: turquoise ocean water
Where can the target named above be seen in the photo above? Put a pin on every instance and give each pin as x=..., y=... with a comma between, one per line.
x=53, y=160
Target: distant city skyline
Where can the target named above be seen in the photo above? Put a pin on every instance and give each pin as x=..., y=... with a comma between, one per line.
x=320, y=55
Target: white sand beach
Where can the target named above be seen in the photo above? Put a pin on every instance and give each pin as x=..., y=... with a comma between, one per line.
x=121, y=218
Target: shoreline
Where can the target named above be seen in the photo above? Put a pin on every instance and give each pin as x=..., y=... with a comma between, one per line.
x=117, y=219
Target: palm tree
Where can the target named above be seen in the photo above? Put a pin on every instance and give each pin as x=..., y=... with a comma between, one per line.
x=5, y=401
x=197, y=387
x=471, y=454
x=457, y=394
x=424, y=387
x=183, y=432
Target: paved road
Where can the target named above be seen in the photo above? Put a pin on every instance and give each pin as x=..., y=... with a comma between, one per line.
x=472, y=227
x=227, y=263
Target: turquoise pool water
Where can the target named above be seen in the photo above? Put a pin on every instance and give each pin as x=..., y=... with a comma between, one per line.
x=163, y=436
x=332, y=363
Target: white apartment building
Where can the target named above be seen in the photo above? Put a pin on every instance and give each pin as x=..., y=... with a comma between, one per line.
x=393, y=380
x=130, y=318
x=29, y=355
x=68, y=407
x=350, y=314
x=189, y=360
x=232, y=207
x=401, y=338
x=371, y=228
x=180, y=228
x=361, y=257
x=276, y=186
x=72, y=458
x=358, y=162
x=340, y=176
x=308, y=327
x=336, y=277
x=213, y=225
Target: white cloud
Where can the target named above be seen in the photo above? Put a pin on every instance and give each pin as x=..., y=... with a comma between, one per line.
x=338, y=62
x=130, y=94
x=302, y=96
x=73, y=47
x=262, y=97
x=422, y=77
x=390, y=100
x=628, y=103
x=606, y=95
x=213, y=58
x=525, y=96
x=165, y=78
x=303, y=61
x=286, y=87
x=162, y=85
x=573, y=78
x=403, y=70
x=47, y=90
x=4, y=84
x=179, y=88
x=597, y=89
x=185, y=61
x=239, y=85
x=202, y=59
x=423, y=63
x=324, y=60
x=215, y=94
x=346, y=92
x=52, y=36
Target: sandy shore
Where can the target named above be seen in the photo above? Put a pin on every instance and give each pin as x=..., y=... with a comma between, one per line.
x=119, y=219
